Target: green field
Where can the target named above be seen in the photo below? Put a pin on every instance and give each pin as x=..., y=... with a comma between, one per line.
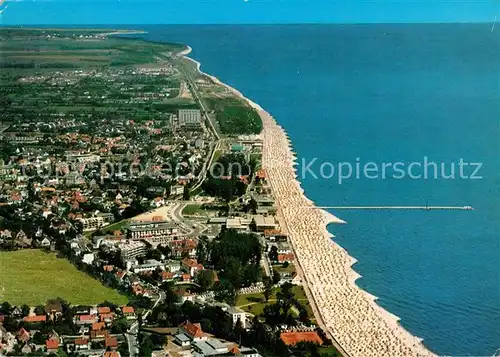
x=33, y=276
x=192, y=209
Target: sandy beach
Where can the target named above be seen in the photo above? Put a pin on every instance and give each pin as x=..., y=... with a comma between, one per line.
x=357, y=325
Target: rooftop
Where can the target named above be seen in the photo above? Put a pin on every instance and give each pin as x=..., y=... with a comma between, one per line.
x=292, y=338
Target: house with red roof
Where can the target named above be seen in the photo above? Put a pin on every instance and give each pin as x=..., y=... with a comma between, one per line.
x=111, y=354
x=35, y=319
x=291, y=338
x=193, y=331
x=108, y=318
x=82, y=344
x=187, y=246
x=128, y=312
x=167, y=276
x=86, y=320
x=111, y=342
x=234, y=350
x=22, y=335
x=261, y=174
x=184, y=296
x=108, y=268
x=52, y=345
x=191, y=266
x=98, y=326
x=288, y=257
x=103, y=310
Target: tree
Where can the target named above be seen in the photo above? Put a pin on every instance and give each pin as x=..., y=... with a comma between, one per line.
x=25, y=310
x=123, y=349
x=61, y=353
x=252, y=205
x=120, y=325
x=268, y=287
x=154, y=254
x=226, y=292
x=10, y=324
x=6, y=307
x=39, y=310
x=165, y=250
x=276, y=276
x=272, y=315
x=286, y=298
x=205, y=279
x=171, y=298
x=38, y=338
x=146, y=345
x=237, y=257
x=273, y=253
x=140, y=302
x=186, y=194
x=206, y=324
x=202, y=254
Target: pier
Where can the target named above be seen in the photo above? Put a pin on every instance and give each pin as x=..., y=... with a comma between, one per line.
x=423, y=208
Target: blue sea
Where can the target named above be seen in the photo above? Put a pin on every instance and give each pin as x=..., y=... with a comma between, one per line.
x=389, y=93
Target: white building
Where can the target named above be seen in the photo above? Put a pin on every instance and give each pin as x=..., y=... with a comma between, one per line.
x=88, y=258
x=93, y=223
x=189, y=117
x=176, y=190
x=149, y=265
x=237, y=314
x=131, y=249
x=155, y=232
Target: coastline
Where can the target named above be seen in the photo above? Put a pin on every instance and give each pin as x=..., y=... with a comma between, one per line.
x=124, y=32
x=357, y=325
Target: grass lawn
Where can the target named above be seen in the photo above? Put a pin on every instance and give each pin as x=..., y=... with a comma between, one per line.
x=256, y=157
x=280, y=269
x=217, y=155
x=191, y=209
x=329, y=351
x=33, y=276
x=116, y=226
x=255, y=303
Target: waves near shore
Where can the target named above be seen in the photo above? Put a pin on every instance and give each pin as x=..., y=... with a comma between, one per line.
x=350, y=315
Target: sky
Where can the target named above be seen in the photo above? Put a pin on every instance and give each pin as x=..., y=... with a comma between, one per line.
x=102, y=12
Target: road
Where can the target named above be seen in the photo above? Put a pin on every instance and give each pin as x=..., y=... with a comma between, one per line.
x=195, y=91
x=206, y=166
x=264, y=261
x=131, y=335
x=194, y=228
x=193, y=87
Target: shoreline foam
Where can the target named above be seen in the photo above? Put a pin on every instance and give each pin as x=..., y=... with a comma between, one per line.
x=350, y=315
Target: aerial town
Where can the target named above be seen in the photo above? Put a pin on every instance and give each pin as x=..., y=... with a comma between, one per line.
x=135, y=216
